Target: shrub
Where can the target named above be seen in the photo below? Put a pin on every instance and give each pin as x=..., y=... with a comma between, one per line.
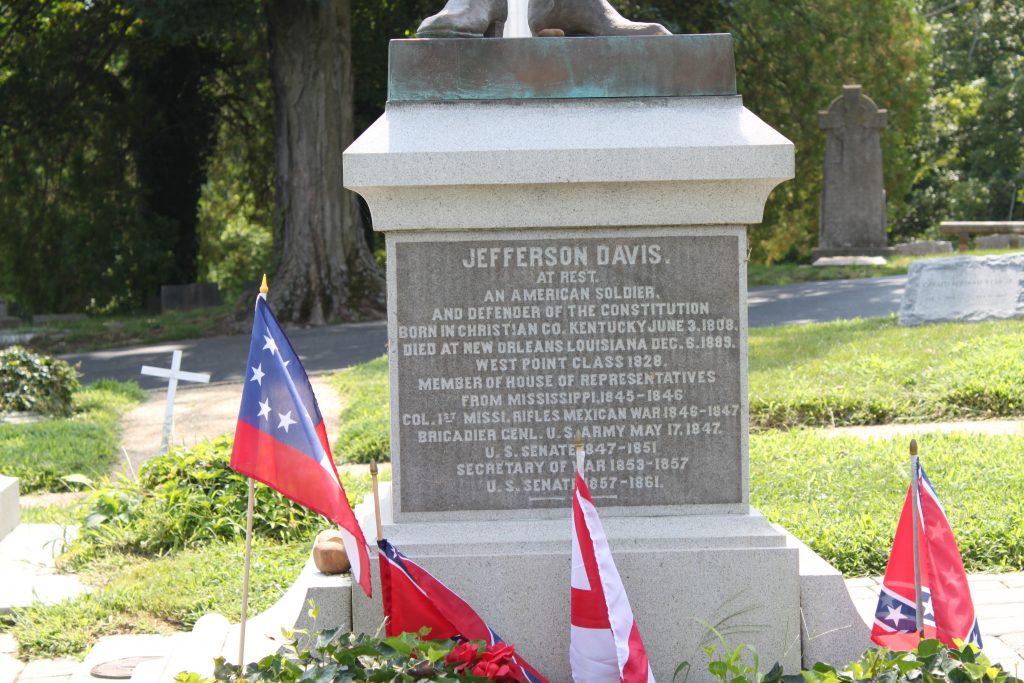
x=337, y=655
x=40, y=384
x=187, y=498
x=930, y=661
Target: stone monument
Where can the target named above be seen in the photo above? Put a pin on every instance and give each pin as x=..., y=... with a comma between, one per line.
x=565, y=222
x=853, y=218
x=964, y=289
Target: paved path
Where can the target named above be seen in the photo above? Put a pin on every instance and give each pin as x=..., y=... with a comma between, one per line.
x=320, y=349
x=816, y=302
x=200, y=413
x=339, y=346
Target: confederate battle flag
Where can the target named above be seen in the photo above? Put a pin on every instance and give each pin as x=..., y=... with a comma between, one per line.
x=945, y=595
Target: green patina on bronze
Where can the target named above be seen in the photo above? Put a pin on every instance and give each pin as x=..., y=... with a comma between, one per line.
x=436, y=69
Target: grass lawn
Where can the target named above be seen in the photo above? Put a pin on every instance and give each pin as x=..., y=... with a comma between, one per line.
x=136, y=595
x=41, y=453
x=105, y=332
x=843, y=496
x=856, y=372
x=874, y=372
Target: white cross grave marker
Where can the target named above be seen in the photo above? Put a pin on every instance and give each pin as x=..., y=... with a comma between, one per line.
x=173, y=375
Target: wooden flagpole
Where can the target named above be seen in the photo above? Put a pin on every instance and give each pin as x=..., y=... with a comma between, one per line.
x=245, y=572
x=581, y=454
x=250, y=505
x=376, y=499
x=915, y=505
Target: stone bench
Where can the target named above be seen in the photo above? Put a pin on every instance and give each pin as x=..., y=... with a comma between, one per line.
x=965, y=229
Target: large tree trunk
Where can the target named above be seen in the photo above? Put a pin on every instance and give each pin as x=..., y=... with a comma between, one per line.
x=324, y=270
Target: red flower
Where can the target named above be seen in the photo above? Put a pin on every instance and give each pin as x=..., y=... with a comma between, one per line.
x=496, y=664
x=463, y=656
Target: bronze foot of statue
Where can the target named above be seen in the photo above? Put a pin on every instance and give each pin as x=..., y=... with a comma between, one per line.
x=587, y=18
x=463, y=19
x=472, y=18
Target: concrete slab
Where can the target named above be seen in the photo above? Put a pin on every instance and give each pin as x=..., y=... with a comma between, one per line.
x=110, y=648
x=27, y=566
x=10, y=667
x=48, y=671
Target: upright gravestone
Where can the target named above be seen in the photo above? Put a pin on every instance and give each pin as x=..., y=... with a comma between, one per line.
x=853, y=218
x=566, y=251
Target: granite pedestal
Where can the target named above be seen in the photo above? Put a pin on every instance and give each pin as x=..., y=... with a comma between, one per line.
x=567, y=252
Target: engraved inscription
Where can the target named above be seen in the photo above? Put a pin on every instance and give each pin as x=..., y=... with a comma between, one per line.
x=505, y=349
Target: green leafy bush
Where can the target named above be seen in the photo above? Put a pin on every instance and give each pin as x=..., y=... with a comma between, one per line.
x=930, y=662
x=187, y=498
x=40, y=384
x=336, y=655
x=47, y=455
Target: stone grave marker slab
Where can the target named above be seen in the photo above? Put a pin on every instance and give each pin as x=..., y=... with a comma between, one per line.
x=187, y=297
x=963, y=289
x=507, y=346
x=853, y=218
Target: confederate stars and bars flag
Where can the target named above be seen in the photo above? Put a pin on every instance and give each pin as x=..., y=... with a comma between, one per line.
x=945, y=594
x=281, y=439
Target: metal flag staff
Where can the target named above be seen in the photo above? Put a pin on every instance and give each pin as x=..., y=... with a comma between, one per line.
x=915, y=502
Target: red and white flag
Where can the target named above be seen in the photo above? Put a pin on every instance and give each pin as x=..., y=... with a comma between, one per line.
x=945, y=594
x=604, y=643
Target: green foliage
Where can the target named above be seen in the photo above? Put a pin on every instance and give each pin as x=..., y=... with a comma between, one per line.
x=111, y=331
x=39, y=384
x=46, y=455
x=792, y=59
x=874, y=372
x=800, y=479
x=336, y=655
x=930, y=661
x=970, y=158
x=236, y=208
x=188, y=498
x=365, y=416
x=135, y=595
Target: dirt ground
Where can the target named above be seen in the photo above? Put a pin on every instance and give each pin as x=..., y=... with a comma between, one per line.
x=200, y=413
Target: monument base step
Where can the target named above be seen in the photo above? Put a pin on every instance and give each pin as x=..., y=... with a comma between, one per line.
x=684, y=575
x=831, y=628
